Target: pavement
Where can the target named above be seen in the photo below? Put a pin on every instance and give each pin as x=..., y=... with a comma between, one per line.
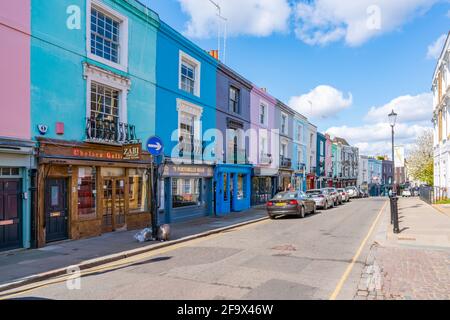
x=21, y=265
x=318, y=257
x=411, y=265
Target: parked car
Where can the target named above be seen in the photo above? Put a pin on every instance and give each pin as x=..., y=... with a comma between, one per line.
x=352, y=192
x=344, y=194
x=322, y=198
x=337, y=197
x=290, y=203
x=406, y=193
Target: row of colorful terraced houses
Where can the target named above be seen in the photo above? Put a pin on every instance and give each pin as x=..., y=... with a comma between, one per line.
x=85, y=83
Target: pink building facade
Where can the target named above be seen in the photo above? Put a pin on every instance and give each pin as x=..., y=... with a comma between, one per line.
x=15, y=31
x=265, y=154
x=16, y=147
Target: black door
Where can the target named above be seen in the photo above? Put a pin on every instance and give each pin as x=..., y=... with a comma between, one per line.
x=56, y=213
x=10, y=214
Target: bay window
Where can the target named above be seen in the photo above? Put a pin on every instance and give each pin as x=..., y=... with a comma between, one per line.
x=185, y=192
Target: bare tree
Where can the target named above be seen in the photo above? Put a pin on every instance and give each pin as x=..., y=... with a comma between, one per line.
x=420, y=160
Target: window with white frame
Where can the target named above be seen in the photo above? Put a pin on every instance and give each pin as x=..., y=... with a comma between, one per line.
x=283, y=149
x=263, y=114
x=107, y=39
x=234, y=99
x=106, y=107
x=299, y=157
x=299, y=133
x=189, y=74
x=189, y=126
x=284, y=123
x=263, y=146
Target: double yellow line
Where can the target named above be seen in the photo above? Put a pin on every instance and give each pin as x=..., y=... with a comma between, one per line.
x=117, y=264
x=355, y=258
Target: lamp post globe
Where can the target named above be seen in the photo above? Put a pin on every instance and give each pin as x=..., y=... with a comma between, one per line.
x=392, y=118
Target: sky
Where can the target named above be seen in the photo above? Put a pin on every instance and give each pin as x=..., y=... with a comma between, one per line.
x=343, y=64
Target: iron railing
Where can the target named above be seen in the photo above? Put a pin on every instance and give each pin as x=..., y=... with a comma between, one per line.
x=110, y=131
x=285, y=162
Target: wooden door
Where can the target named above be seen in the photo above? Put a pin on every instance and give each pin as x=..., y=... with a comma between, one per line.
x=10, y=214
x=56, y=210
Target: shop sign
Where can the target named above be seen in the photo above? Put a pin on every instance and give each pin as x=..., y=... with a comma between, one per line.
x=188, y=171
x=97, y=154
x=129, y=152
x=132, y=152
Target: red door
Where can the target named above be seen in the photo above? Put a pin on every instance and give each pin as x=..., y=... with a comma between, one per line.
x=10, y=214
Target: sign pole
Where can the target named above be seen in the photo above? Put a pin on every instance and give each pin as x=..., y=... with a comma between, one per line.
x=155, y=147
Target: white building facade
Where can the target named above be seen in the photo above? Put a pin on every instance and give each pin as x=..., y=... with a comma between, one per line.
x=441, y=119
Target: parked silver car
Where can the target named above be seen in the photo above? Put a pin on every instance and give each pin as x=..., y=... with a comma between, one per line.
x=337, y=197
x=353, y=192
x=344, y=194
x=322, y=198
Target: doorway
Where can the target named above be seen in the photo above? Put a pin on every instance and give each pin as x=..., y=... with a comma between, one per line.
x=113, y=204
x=56, y=210
x=10, y=214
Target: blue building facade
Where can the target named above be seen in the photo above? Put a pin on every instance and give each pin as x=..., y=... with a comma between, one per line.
x=299, y=158
x=375, y=176
x=320, y=164
x=233, y=172
x=186, y=120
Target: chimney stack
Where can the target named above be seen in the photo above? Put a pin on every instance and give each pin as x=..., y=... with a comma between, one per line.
x=214, y=54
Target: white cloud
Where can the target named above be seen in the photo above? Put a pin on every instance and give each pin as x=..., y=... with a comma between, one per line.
x=324, y=21
x=321, y=102
x=245, y=17
x=373, y=137
x=435, y=49
x=409, y=108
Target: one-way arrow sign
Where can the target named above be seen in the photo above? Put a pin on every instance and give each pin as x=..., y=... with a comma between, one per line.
x=155, y=146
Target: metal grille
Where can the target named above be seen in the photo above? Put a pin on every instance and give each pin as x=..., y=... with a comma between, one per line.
x=104, y=36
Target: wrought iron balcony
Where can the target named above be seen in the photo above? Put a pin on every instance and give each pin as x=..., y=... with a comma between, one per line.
x=110, y=132
x=285, y=162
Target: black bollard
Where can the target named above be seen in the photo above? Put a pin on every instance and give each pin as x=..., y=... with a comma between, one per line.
x=396, y=224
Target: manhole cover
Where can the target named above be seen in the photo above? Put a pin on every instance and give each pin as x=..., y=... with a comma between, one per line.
x=285, y=247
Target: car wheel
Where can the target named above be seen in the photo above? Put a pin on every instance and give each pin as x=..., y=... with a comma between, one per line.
x=314, y=210
x=302, y=212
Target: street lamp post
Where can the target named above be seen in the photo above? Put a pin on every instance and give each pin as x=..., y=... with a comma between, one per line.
x=392, y=121
x=394, y=205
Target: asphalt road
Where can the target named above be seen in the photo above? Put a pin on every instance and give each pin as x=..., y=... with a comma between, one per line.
x=286, y=258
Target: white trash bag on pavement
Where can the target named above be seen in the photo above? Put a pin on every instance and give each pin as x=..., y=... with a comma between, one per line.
x=144, y=235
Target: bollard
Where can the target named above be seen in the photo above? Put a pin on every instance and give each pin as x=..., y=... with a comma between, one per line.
x=395, y=212
x=392, y=208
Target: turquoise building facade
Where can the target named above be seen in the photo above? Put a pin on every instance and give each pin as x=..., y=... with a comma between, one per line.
x=59, y=52
x=93, y=104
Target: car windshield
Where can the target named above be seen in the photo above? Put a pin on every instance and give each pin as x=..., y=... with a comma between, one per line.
x=313, y=193
x=340, y=190
x=349, y=188
x=285, y=196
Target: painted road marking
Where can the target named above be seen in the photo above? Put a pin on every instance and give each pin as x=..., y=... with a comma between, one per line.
x=121, y=263
x=349, y=269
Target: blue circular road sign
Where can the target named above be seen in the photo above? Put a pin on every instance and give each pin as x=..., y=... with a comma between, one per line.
x=155, y=146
